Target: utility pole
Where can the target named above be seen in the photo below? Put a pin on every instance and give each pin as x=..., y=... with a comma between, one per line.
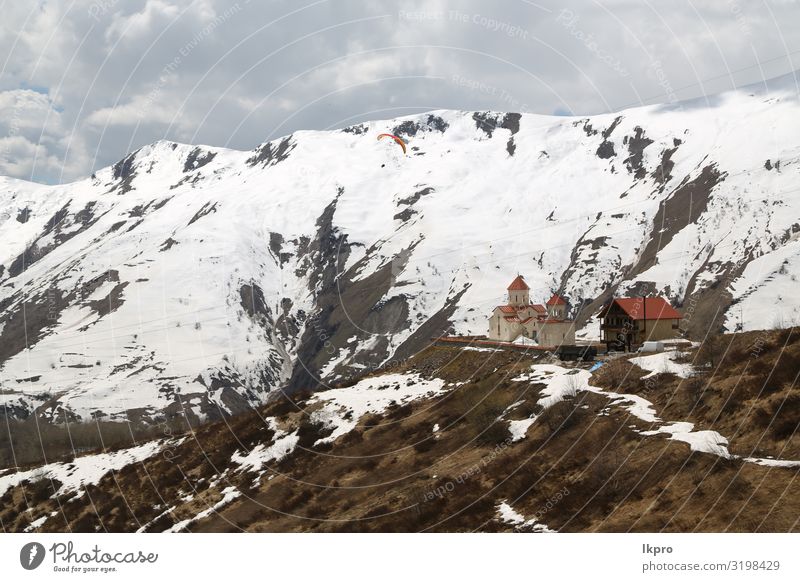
x=644, y=316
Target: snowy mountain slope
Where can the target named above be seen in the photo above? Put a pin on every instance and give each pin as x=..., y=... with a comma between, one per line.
x=201, y=279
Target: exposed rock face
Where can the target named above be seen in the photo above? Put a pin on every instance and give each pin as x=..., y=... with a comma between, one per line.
x=270, y=154
x=198, y=158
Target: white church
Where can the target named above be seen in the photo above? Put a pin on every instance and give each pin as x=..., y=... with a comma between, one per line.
x=546, y=325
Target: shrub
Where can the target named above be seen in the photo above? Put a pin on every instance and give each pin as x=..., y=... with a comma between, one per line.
x=351, y=438
x=287, y=403
x=615, y=374
x=781, y=414
x=310, y=432
x=561, y=416
x=694, y=388
x=787, y=368
x=712, y=349
x=604, y=473
x=425, y=445
x=483, y=421
x=396, y=412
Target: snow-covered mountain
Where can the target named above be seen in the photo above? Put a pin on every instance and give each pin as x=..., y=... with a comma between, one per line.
x=201, y=279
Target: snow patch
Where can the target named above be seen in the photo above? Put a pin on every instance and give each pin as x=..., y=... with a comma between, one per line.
x=509, y=515
x=86, y=470
x=704, y=441
x=283, y=444
x=663, y=363
x=37, y=523
x=772, y=462
x=519, y=428
x=343, y=407
x=228, y=495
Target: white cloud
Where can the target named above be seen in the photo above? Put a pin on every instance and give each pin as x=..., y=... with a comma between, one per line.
x=23, y=158
x=139, y=25
x=149, y=109
x=33, y=139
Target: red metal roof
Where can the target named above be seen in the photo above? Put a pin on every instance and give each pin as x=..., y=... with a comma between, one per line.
x=507, y=308
x=518, y=284
x=556, y=300
x=539, y=308
x=637, y=308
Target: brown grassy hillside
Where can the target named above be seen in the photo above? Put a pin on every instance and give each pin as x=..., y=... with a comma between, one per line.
x=583, y=465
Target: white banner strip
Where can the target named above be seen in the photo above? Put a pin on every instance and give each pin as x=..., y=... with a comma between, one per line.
x=401, y=557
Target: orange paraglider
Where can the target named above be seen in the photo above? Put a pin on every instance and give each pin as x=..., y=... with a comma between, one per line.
x=399, y=140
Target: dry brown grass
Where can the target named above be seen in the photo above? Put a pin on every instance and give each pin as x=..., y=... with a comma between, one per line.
x=383, y=476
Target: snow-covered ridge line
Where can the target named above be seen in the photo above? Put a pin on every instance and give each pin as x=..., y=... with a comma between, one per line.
x=205, y=278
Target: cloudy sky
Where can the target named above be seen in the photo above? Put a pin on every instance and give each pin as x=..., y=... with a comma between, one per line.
x=84, y=82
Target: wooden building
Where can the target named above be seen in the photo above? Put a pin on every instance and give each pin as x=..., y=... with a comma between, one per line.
x=626, y=322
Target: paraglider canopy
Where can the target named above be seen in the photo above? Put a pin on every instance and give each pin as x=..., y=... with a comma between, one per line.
x=399, y=140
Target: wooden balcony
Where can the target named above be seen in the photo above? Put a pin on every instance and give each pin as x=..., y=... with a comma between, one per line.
x=618, y=328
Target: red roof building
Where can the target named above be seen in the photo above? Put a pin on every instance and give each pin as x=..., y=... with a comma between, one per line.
x=629, y=321
x=513, y=309
x=639, y=308
x=556, y=300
